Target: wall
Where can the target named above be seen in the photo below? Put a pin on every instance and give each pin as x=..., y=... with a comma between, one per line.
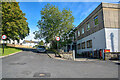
x=112, y=26
x=111, y=16
x=66, y=55
x=29, y=44
x=112, y=39
x=98, y=41
x=93, y=28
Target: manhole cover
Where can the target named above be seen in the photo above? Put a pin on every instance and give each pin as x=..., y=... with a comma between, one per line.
x=17, y=63
x=44, y=75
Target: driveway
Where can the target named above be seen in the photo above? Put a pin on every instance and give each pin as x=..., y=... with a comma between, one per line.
x=29, y=64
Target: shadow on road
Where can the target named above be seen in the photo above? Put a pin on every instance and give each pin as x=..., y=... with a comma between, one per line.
x=27, y=49
x=32, y=50
x=117, y=63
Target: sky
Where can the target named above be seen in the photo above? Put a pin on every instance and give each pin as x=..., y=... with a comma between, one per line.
x=80, y=10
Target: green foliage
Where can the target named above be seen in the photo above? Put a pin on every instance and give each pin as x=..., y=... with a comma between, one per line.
x=54, y=23
x=14, y=23
x=41, y=43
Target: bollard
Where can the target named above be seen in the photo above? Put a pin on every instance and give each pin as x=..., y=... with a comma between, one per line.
x=73, y=54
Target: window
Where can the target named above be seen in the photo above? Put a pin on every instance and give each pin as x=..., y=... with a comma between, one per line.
x=89, y=44
x=83, y=45
x=96, y=20
x=75, y=35
x=78, y=33
x=78, y=46
x=88, y=26
x=82, y=30
x=73, y=38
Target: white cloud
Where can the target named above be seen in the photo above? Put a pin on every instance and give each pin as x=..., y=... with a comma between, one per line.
x=31, y=36
x=40, y=0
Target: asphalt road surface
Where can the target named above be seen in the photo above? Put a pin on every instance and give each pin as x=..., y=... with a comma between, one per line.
x=29, y=64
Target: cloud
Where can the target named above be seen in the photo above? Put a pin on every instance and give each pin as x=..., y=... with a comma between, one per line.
x=31, y=36
x=40, y=0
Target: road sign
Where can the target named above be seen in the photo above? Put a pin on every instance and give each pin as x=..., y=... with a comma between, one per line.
x=57, y=38
x=4, y=36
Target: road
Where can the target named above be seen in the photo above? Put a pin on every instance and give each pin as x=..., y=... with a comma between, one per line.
x=29, y=64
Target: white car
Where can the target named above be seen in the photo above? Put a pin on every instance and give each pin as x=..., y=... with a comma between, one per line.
x=41, y=49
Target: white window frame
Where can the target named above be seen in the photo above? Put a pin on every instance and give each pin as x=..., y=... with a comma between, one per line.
x=78, y=32
x=75, y=35
x=83, y=30
x=88, y=25
x=96, y=17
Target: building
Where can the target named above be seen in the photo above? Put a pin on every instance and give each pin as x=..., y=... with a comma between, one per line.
x=29, y=43
x=100, y=29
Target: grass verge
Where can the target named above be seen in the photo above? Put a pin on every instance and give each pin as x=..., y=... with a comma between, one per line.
x=8, y=50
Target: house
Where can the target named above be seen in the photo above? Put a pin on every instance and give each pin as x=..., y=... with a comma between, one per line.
x=29, y=43
x=100, y=29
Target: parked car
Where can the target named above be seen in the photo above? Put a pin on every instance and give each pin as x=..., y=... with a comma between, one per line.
x=41, y=49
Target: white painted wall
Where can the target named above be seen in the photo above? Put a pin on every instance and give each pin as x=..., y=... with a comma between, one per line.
x=29, y=44
x=11, y=41
x=98, y=41
x=21, y=41
x=112, y=42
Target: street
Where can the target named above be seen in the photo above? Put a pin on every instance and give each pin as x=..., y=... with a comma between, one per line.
x=29, y=64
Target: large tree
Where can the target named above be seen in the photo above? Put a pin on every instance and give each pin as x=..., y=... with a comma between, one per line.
x=54, y=23
x=14, y=23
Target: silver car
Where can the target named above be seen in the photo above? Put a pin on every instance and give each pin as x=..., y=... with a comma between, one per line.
x=41, y=49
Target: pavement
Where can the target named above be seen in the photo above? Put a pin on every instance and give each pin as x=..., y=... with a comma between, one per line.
x=29, y=64
x=52, y=55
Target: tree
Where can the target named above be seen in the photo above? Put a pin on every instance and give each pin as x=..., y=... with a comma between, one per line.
x=54, y=23
x=68, y=37
x=41, y=42
x=0, y=18
x=14, y=23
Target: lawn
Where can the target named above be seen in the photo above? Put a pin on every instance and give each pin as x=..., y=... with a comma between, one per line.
x=8, y=50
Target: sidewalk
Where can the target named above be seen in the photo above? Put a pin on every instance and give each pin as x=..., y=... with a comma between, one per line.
x=86, y=59
x=52, y=55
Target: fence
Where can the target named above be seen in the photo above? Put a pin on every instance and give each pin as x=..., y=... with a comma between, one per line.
x=100, y=54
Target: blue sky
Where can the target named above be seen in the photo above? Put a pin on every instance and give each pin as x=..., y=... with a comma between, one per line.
x=80, y=10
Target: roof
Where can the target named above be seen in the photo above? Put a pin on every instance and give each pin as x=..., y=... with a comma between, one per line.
x=27, y=41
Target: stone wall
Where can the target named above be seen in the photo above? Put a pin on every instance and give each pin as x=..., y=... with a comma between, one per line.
x=112, y=56
x=66, y=55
